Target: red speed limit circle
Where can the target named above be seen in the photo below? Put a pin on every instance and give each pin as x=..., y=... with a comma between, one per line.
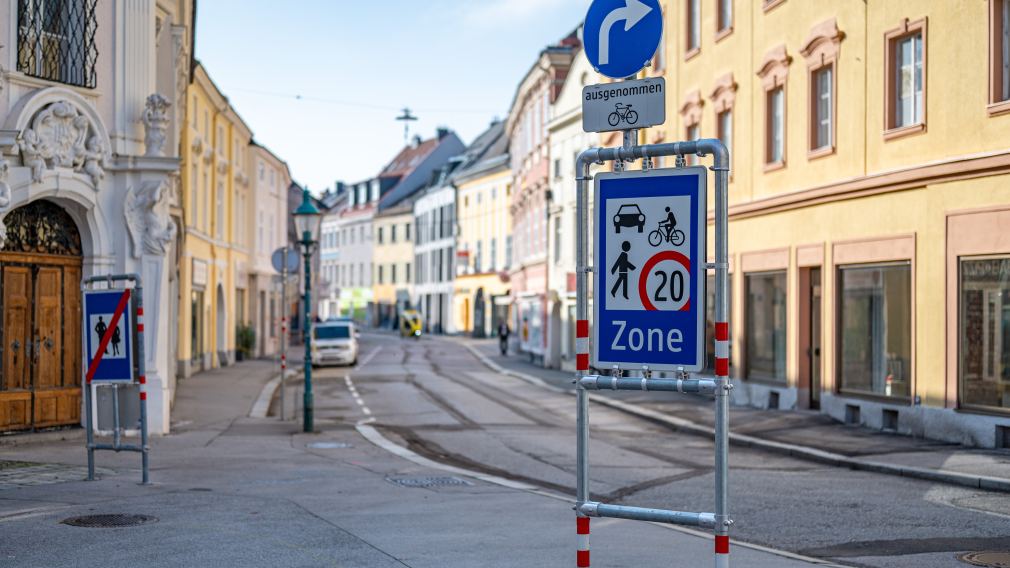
x=674, y=256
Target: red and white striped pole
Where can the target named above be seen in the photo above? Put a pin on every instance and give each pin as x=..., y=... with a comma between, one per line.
x=582, y=490
x=142, y=379
x=722, y=379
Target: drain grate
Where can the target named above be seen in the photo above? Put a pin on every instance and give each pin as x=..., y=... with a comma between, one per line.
x=109, y=521
x=328, y=445
x=987, y=559
x=447, y=481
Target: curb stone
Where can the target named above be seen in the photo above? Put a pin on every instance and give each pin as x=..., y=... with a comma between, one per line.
x=793, y=450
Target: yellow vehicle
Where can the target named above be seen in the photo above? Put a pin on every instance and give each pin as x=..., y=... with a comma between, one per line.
x=410, y=324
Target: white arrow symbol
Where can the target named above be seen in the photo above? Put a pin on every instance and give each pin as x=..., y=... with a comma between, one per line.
x=632, y=13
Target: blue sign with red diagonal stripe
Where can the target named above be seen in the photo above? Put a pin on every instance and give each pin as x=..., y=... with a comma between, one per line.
x=108, y=332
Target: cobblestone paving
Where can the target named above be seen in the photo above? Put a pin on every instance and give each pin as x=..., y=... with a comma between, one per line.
x=14, y=474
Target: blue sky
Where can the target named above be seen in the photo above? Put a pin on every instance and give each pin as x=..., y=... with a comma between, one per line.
x=355, y=63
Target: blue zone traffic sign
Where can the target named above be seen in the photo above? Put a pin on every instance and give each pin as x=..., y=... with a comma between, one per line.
x=100, y=311
x=649, y=288
x=621, y=36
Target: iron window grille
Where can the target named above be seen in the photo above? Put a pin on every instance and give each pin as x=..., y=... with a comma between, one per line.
x=56, y=40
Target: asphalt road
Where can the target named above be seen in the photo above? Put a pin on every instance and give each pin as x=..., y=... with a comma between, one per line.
x=435, y=398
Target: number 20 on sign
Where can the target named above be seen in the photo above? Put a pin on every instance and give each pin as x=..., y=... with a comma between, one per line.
x=649, y=294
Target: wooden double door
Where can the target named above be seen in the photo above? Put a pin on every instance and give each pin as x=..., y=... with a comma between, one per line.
x=40, y=341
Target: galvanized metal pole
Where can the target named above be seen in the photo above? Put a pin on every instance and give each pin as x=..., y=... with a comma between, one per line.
x=723, y=385
x=307, y=328
x=89, y=422
x=284, y=326
x=582, y=356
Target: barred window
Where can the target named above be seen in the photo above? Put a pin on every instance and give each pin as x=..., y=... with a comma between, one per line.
x=56, y=40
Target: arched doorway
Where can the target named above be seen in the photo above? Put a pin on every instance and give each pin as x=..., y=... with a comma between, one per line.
x=479, y=307
x=222, y=328
x=40, y=279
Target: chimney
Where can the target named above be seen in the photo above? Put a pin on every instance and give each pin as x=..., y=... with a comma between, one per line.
x=339, y=187
x=417, y=140
x=442, y=132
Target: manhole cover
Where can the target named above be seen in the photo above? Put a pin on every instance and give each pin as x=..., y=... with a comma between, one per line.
x=987, y=559
x=428, y=481
x=329, y=445
x=109, y=521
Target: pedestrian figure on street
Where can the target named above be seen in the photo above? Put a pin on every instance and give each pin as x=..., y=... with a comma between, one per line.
x=116, y=338
x=621, y=267
x=100, y=329
x=503, y=338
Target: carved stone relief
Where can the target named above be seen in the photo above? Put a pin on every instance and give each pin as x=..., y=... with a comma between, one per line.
x=59, y=136
x=146, y=210
x=156, y=121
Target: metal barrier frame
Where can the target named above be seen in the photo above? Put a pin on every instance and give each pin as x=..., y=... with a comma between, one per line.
x=720, y=386
x=137, y=305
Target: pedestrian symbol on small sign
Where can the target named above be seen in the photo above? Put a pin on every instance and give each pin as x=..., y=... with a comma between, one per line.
x=621, y=268
x=99, y=324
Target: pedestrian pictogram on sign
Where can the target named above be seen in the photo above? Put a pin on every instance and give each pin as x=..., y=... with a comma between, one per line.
x=650, y=246
x=108, y=335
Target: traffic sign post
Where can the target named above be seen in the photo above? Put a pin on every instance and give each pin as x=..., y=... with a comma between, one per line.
x=649, y=305
x=285, y=260
x=113, y=342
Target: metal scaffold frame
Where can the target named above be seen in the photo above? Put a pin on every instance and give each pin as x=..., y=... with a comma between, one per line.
x=719, y=386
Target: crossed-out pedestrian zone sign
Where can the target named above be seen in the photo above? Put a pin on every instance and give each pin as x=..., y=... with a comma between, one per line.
x=108, y=332
x=650, y=255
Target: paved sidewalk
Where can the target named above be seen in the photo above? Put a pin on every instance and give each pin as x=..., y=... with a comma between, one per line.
x=803, y=434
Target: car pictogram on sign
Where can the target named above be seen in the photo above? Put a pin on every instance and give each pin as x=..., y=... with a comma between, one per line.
x=629, y=216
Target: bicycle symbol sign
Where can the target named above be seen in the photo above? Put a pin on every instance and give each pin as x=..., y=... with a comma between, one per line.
x=622, y=113
x=650, y=251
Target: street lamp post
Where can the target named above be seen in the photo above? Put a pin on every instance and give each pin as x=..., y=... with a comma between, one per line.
x=307, y=219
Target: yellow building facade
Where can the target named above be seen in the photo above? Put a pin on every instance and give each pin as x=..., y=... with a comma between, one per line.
x=217, y=206
x=393, y=254
x=870, y=147
x=481, y=289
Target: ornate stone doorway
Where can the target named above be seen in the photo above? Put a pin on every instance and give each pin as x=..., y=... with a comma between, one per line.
x=40, y=341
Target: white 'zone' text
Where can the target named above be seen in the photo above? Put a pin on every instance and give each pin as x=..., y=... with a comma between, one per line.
x=651, y=340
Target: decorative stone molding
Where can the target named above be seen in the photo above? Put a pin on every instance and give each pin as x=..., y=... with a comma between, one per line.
x=60, y=136
x=208, y=154
x=774, y=67
x=724, y=94
x=5, y=198
x=690, y=111
x=821, y=46
x=155, y=119
x=197, y=144
x=146, y=210
x=222, y=166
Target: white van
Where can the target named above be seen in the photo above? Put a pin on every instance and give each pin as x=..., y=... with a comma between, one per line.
x=334, y=342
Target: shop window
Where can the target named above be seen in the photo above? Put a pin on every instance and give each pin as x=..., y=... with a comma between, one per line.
x=765, y=338
x=875, y=330
x=984, y=332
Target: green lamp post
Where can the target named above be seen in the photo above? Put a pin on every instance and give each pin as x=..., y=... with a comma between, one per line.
x=307, y=221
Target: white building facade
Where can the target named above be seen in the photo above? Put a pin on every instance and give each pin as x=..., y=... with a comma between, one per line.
x=435, y=257
x=567, y=141
x=89, y=131
x=270, y=182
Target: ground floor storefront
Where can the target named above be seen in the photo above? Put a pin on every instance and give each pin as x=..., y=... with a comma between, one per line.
x=477, y=304
x=890, y=310
x=529, y=313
